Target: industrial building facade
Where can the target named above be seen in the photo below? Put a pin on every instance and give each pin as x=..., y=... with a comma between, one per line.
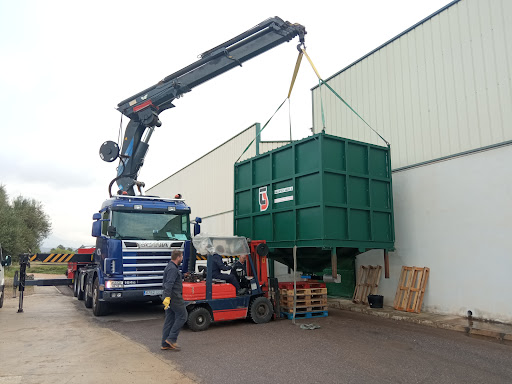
x=441, y=94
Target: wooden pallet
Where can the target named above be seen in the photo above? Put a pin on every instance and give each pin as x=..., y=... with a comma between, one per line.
x=411, y=289
x=304, y=291
x=367, y=283
x=287, y=301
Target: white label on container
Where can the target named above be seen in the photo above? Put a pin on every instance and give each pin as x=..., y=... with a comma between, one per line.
x=281, y=199
x=283, y=190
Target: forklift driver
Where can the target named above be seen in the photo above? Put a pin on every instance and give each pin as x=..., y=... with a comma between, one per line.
x=218, y=266
x=239, y=270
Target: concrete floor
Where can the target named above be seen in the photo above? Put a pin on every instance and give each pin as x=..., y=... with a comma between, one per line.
x=51, y=342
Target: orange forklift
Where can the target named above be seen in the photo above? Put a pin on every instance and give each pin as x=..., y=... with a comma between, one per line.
x=211, y=300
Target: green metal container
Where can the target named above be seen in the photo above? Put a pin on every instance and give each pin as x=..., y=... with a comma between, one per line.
x=324, y=194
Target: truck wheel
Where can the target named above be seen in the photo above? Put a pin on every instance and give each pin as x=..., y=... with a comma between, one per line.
x=2, y=293
x=199, y=319
x=88, y=293
x=260, y=310
x=99, y=308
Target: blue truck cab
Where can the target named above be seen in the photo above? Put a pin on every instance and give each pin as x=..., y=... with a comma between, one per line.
x=135, y=236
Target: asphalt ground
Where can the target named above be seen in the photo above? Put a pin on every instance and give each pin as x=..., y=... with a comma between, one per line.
x=347, y=348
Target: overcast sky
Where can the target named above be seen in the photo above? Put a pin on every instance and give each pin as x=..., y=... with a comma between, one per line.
x=65, y=65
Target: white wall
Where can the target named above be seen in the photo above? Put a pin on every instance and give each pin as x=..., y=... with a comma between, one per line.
x=442, y=88
x=455, y=217
x=220, y=224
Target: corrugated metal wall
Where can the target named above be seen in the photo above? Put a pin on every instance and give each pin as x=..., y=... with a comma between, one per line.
x=442, y=88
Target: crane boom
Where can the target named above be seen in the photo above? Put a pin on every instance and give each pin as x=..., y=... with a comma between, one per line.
x=144, y=108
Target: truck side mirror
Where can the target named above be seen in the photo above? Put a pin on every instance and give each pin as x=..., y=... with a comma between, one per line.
x=96, y=229
x=111, y=230
x=197, y=226
x=96, y=216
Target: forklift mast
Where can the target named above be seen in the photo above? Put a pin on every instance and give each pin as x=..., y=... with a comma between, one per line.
x=144, y=108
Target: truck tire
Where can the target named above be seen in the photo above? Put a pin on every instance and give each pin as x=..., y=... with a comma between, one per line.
x=88, y=293
x=79, y=291
x=99, y=308
x=199, y=319
x=2, y=294
x=260, y=310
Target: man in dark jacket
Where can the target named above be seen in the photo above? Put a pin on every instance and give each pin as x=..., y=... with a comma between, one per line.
x=218, y=266
x=239, y=270
x=174, y=305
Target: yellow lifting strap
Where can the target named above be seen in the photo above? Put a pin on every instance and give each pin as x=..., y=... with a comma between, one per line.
x=295, y=71
x=312, y=65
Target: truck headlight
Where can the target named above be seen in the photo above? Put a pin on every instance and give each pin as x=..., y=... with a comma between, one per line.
x=113, y=284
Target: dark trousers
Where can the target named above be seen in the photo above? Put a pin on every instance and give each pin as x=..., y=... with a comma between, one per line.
x=228, y=278
x=175, y=318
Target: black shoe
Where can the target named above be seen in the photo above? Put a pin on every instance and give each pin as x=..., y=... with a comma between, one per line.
x=242, y=291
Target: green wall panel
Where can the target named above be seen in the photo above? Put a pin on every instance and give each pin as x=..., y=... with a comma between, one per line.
x=283, y=163
x=308, y=189
x=309, y=222
x=307, y=157
x=284, y=228
x=335, y=190
x=261, y=170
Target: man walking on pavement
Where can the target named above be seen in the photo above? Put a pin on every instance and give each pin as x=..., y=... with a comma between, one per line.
x=174, y=305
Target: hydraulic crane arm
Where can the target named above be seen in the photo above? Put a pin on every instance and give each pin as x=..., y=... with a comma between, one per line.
x=144, y=107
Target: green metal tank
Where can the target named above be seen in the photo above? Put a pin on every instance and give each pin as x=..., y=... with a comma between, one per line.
x=325, y=194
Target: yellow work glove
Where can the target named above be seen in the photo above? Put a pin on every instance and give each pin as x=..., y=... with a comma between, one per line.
x=166, y=302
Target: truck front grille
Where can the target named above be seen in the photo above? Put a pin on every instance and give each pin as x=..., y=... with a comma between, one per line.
x=145, y=269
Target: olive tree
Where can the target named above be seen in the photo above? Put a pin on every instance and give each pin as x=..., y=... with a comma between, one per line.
x=23, y=224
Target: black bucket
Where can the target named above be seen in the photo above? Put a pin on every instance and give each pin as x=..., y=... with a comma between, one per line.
x=375, y=301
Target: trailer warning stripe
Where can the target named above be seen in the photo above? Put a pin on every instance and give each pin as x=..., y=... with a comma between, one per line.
x=62, y=257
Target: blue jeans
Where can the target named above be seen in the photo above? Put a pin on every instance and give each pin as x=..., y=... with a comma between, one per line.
x=175, y=318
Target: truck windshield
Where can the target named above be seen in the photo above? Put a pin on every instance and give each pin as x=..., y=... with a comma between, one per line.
x=137, y=225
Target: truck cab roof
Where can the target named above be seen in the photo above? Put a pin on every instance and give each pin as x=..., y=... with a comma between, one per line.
x=145, y=202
